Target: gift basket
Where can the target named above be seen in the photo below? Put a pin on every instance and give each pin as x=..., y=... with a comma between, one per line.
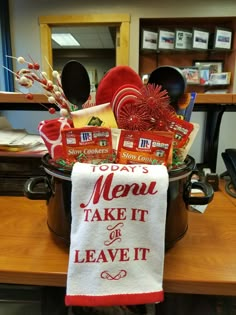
x=118, y=178
x=129, y=123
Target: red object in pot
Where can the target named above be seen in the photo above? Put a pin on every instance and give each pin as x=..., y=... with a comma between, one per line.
x=58, y=195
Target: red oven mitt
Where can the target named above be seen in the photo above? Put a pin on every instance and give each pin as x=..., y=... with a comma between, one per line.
x=50, y=132
x=113, y=80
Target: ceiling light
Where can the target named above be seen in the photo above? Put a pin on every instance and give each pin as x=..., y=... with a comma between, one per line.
x=65, y=39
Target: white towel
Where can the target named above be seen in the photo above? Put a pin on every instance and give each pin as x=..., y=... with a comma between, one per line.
x=117, y=234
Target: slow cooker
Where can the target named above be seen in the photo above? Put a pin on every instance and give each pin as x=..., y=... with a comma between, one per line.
x=55, y=188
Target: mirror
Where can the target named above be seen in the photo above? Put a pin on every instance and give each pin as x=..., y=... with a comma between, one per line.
x=120, y=21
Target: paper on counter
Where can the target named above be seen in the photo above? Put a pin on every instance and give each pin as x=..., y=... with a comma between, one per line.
x=15, y=140
x=197, y=208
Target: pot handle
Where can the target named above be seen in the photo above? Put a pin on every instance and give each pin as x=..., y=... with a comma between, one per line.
x=206, y=188
x=31, y=193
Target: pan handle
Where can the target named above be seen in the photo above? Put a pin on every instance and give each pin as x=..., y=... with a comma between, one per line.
x=31, y=191
x=206, y=188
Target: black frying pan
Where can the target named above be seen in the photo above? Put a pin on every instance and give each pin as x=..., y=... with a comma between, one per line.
x=171, y=79
x=75, y=83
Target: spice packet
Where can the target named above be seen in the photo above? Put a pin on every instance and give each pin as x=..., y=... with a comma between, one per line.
x=169, y=135
x=144, y=147
x=99, y=115
x=185, y=149
x=182, y=130
x=87, y=144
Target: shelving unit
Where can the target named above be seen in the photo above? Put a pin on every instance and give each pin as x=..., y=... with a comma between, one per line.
x=18, y=101
x=150, y=60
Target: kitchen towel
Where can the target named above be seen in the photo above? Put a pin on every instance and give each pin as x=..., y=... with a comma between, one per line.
x=117, y=234
x=50, y=132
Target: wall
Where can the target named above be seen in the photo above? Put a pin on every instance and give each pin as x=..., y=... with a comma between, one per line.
x=26, y=40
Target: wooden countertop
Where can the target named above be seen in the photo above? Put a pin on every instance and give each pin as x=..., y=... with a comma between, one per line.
x=203, y=262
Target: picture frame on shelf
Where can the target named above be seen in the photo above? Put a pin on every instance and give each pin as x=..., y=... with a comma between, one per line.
x=191, y=74
x=204, y=72
x=215, y=66
x=222, y=78
x=183, y=39
x=200, y=39
x=223, y=38
x=149, y=39
x=166, y=39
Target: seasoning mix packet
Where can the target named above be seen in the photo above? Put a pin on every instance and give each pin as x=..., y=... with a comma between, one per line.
x=87, y=144
x=182, y=130
x=145, y=147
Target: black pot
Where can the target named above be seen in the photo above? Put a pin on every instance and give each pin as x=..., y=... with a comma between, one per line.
x=57, y=193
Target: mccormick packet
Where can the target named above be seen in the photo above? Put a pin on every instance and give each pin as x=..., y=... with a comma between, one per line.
x=182, y=130
x=87, y=144
x=144, y=147
x=185, y=149
x=95, y=116
x=169, y=135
